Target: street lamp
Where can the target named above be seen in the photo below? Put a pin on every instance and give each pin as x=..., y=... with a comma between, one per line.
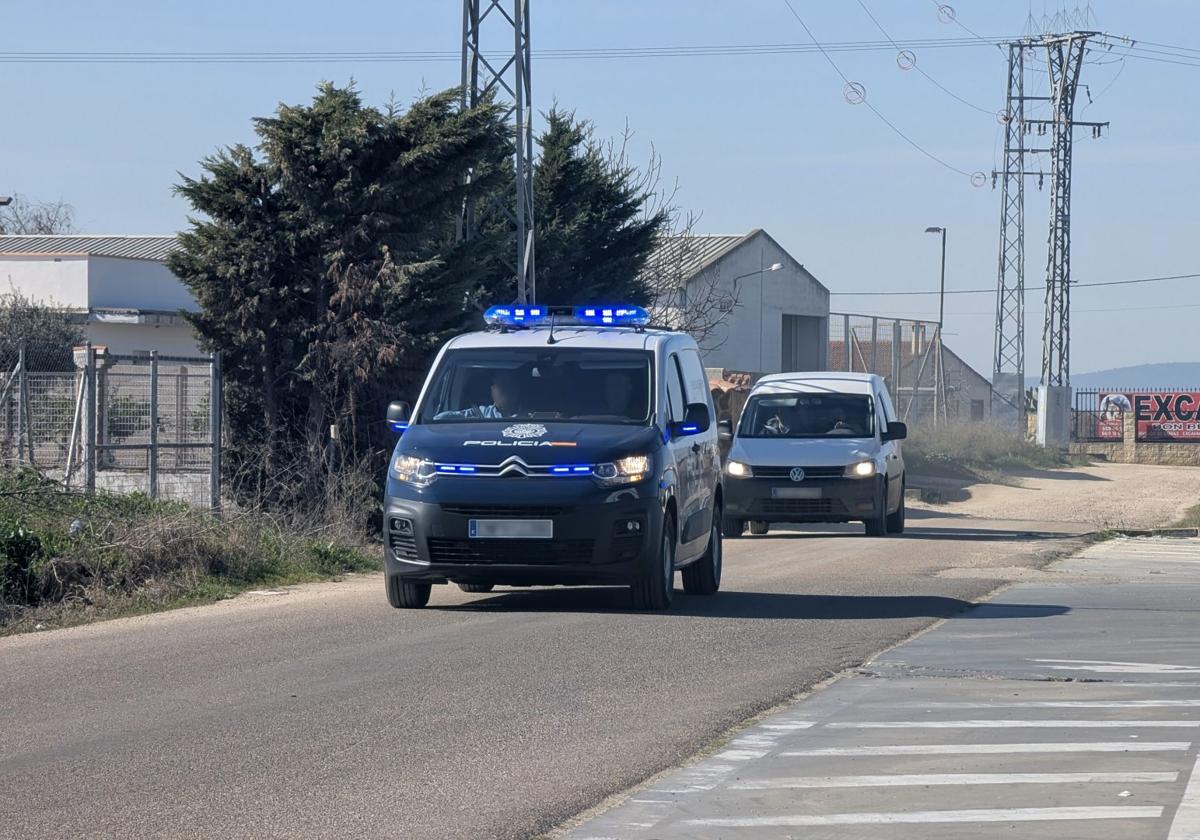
x=771, y=267
x=939, y=386
x=5, y=200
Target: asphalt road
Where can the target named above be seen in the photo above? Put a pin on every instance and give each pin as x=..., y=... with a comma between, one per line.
x=323, y=712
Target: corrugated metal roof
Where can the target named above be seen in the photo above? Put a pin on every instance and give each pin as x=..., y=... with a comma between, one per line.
x=687, y=255
x=129, y=247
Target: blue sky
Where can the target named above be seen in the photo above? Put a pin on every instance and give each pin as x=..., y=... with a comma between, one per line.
x=753, y=141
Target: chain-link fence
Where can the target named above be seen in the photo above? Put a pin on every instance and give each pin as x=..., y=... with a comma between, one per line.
x=905, y=353
x=120, y=423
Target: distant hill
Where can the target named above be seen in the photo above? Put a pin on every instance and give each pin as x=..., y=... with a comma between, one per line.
x=1165, y=375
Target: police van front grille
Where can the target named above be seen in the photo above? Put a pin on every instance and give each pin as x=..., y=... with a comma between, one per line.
x=799, y=507
x=809, y=472
x=513, y=552
x=505, y=511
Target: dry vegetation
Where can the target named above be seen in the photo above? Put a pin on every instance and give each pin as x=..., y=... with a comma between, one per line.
x=973, y=450
x=67, y=558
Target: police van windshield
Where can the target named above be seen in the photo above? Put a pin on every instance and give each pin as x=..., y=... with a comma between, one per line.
x=808, y=416
x=575, y=385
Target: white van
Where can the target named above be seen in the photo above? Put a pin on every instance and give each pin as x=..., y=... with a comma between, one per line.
x=816, y=447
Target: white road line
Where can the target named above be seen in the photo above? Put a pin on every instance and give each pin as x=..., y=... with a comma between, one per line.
x=1051, y=704
x=1015, y=724
x=1115, y=667
x=997, y=749
x=1186, y=824
x=937, y=779
x=983, y=815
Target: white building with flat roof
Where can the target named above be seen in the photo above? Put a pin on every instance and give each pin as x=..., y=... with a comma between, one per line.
x=120, y=284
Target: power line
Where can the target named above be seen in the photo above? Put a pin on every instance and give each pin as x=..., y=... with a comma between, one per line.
x=914, y=65
x=992, y=291
x=399, y=56
x=860, y=98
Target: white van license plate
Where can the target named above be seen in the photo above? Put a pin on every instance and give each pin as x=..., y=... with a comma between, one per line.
x=511, y=529
x=795, y=492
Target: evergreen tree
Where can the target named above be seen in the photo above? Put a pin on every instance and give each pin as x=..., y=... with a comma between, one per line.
x=327, y=272
x=593, y=232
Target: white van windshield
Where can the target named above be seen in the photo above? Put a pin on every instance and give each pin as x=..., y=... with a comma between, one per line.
x=591, y=385
x=808, y=416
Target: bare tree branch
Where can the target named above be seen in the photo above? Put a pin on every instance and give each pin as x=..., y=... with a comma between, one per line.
x=43, y=218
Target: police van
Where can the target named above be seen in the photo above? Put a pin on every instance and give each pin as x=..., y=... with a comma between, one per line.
x=561, y=445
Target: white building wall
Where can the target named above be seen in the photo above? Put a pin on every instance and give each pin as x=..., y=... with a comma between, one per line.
x=49, y=280
x=136, y=284
x=751, y=338
x=127, y=339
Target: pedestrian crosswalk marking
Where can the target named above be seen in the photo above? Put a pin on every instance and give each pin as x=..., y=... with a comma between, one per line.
x=996, y=749
x=1015, y=724
x=942, y=779
x=980, y=815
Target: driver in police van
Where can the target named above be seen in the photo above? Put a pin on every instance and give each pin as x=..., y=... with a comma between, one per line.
x=506, y=401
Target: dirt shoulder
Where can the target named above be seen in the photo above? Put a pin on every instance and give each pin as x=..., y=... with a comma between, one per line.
x=1103, y=496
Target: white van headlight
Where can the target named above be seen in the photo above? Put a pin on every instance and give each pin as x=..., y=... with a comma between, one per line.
x=739, y=470
x=413, y=470
x=629, y=470
x=862, y=469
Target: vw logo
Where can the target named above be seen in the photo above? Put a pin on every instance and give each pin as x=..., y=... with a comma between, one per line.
x=522, y=431
x=797, y=474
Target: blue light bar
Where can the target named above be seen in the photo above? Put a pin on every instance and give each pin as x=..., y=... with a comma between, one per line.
x=516, y=316
x=399, y=426
x=572, y=469
x=455, y=468
x=612, y=316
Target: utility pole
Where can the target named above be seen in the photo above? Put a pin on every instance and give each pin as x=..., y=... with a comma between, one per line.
x=1008, y=359
x=505, y=74
x=1064, y=58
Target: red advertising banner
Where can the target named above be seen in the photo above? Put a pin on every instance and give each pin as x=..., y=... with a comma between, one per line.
x=1160, y=415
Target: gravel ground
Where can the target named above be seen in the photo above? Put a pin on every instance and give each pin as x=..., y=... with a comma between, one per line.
x=1149, y=496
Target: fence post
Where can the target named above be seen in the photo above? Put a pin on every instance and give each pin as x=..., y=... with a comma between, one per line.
x=874, y=345
x=22, y=401
x=214, y=431
x=897, y=337
x=153, y=424
x=846, y=341
x=89, y=421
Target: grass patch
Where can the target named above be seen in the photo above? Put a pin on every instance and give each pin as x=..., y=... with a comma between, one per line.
x=974, y=450
x=68, y=558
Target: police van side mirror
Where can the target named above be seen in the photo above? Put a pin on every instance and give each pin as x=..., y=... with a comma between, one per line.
x=398, y=416
x=724, y=431
x=895, y=431
x=695, y=421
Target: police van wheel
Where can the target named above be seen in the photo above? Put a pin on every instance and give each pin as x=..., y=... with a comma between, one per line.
x=877, y=526
x=654, y=589
x=758, y=527
x=703, y=577
x=732, y=528
x=406, y=595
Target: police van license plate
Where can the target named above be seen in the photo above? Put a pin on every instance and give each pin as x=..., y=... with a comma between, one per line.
x=795, y=492
x=511, y=529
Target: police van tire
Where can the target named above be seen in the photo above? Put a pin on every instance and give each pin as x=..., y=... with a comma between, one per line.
x=877, y=525
x=407, y=595
x=895, y=521
x=732, y=528
x=703, y=577
x=653, y=590
x=477, y=587
x=758, y=527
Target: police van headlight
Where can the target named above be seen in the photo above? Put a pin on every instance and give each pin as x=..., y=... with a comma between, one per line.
x=628, y=470
x=863, y=469
x=739, y=470
x=413, y=470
